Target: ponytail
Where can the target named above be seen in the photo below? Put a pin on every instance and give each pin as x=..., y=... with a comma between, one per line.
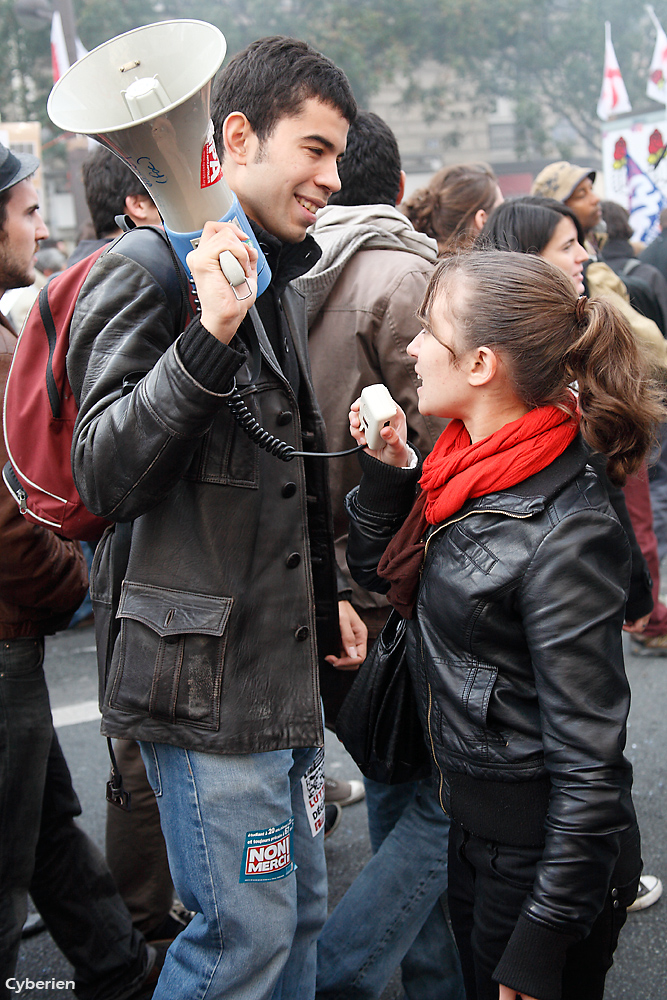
x=528, y=310
x=619, y=402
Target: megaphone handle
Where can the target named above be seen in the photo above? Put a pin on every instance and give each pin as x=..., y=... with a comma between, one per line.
x=234, y=273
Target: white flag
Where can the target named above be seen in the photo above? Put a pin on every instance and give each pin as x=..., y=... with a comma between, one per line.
x=614, y=98
x=645, y=203
x=59, y=59
x=657, y=74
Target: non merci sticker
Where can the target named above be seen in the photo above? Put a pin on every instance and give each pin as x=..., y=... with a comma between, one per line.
x=312, y=785
x=267, y=855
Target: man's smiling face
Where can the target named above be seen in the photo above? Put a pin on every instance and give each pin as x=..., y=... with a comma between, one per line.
x=291, y=174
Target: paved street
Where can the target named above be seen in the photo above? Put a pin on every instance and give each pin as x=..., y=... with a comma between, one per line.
x=640, y=972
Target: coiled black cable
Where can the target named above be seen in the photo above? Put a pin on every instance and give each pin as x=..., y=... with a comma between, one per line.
x=261, y=437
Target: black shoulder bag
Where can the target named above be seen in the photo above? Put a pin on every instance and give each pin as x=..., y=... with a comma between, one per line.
x=378, y=722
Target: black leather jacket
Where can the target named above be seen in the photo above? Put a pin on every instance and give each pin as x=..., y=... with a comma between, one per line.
x=230, y=584
x=516, y=656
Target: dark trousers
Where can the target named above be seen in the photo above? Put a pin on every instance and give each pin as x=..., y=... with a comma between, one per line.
x=488, y=884
x=135, y=847
x=42, y=850
x=638, y=501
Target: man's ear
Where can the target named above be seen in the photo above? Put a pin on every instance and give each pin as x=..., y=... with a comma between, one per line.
x=239, y=138
x=141, y=209
x=401, y=188
x=483, y=366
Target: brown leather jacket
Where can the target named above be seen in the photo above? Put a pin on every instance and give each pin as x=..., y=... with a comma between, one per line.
x=43, y=578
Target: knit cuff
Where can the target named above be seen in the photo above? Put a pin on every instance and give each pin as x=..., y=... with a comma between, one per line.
x=385, y=489
x=210, y=362
x=534, y=959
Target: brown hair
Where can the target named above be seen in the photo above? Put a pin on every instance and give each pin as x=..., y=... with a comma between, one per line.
x=528, y=311
x=446, y=207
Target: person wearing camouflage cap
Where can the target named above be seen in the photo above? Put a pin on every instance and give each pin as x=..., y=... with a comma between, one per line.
x=573, y=185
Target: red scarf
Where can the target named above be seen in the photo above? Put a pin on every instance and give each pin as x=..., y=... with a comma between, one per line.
x=457, y=470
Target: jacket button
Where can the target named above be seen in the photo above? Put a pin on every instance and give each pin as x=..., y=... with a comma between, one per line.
x=284, y=418
x=288, y=490
x=302, y=633
x=293, y=560
x=614, y=893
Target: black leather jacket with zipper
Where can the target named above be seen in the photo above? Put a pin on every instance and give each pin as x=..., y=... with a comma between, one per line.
x=516, y=657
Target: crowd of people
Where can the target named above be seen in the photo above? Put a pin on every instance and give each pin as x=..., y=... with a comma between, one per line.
x=508, y=517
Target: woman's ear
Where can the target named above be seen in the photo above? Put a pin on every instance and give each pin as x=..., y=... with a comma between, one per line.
x=479, y=219
x=238, y=136
x=483, y=366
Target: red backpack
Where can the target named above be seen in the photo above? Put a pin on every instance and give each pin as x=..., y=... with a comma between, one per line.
x=40, y=409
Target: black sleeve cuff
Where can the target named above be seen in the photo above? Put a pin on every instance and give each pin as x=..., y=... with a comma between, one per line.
x=534, y=959
x=209, y=361
x=384, y=489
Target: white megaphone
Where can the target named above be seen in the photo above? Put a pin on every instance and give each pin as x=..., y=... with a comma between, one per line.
x=146, y=96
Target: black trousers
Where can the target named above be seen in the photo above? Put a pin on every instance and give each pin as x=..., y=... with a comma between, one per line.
x=488, y=883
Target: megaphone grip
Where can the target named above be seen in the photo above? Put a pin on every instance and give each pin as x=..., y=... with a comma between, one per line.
x=231, y=268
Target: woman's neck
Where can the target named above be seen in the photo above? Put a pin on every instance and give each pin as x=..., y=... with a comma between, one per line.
x=490, y=418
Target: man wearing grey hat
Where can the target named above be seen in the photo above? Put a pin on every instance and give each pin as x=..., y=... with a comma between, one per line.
x=42, y=580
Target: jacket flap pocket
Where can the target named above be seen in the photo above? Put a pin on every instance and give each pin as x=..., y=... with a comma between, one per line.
x=174, y=612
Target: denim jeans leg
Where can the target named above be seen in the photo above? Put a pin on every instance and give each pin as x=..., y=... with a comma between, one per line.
x=25, y=739
x=383, y=912
x=250, y=938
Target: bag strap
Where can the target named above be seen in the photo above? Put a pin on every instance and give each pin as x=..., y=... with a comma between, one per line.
x=139, y=244
x=630, y=265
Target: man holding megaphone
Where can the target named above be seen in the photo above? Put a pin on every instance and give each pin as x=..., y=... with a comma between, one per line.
x=228, y=605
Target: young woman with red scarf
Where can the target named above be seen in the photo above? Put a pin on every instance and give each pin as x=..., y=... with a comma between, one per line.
x=512, y=569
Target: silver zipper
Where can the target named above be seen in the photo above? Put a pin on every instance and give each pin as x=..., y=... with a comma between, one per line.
x=471, y=513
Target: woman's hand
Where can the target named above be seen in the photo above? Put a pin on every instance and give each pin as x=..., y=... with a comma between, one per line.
x=221, y=311
x=395, y=450
x=507, y=994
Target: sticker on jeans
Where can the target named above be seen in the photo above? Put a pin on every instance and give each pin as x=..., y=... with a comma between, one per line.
x=267, y=855
x=312, y=785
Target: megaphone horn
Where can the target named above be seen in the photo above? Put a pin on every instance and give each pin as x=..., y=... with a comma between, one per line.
x=139, y=96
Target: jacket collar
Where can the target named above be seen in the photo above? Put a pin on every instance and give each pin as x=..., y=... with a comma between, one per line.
x=286, y=260
x=535, y=493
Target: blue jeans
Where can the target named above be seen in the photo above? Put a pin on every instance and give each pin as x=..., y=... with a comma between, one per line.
x=393, y=912
x=256, y=883
x=42, y=850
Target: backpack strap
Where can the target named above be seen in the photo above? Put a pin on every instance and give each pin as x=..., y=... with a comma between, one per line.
x=158, y=257
x=630, y=265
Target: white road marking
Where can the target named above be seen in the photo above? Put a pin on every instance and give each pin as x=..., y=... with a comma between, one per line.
x=71, y=715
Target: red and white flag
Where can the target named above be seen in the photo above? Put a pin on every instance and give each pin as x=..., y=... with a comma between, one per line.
x=657, y=74
x=614, y=98
x=59, y=58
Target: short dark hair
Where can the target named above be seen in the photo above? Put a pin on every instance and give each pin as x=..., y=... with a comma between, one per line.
x=525, y=224
x=271, y=79
x=370, y=170
x=617, y=220
x=4, y=199
x=107, y=182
